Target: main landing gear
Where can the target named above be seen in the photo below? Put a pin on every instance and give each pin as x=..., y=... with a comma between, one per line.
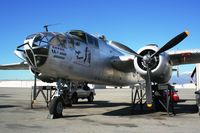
x=60, y=100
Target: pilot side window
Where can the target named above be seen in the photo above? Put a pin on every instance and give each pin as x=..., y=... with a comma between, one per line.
x=54, y=41
x=58, y=40
x=79, y=35
x=96, y=43
x=92, y=41
x=62, y=40
x=70, y=42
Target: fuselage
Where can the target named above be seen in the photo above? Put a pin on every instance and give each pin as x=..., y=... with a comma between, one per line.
x=75, y=56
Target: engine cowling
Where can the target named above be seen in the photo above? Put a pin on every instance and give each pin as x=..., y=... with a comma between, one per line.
x=161, y=68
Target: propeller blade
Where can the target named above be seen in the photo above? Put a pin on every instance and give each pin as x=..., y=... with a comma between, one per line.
x=173, y=42
x=148, y=88
x=125, y=48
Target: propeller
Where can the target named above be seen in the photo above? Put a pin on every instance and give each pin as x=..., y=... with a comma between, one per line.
x=148, y=59
x=148, y=88
x=173, y=42
x=125, y=48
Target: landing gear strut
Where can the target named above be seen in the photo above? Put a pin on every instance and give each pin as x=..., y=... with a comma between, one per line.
x=60, y=99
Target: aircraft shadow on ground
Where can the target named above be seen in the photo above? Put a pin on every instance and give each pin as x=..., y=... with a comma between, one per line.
x=8, y=106
x=186, y=108
x=124, y=111
x=98, y=104
x=130, y=110
x=136, y=110
x=73, y=116
x=4, y=96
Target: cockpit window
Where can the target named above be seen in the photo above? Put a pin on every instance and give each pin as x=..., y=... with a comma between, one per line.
x=30, y=36
x=42, y=39
x=70, y=42
x=58, y=40
x=54, y=41
x=79, y=35
x=92, y=41
x=62, y=39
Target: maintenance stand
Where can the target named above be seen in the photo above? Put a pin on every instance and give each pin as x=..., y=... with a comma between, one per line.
x=50, y=91
x=162, y=97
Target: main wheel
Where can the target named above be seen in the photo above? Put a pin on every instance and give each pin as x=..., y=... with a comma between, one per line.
x=91, y=98
x=56, y=107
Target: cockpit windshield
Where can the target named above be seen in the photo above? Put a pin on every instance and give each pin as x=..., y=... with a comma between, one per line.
x=80, y=35
x=30, y=36
x=43, y=39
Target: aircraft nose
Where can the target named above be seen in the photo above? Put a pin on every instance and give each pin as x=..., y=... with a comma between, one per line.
x=36, y=46
x=37, y=56
x=36, y=49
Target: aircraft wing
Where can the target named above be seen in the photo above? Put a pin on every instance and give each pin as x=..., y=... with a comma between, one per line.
x=123, y=63
x=15, y=66
x=181, y=57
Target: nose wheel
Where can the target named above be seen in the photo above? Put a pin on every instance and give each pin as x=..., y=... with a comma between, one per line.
x=60, y=100
x=56, y=107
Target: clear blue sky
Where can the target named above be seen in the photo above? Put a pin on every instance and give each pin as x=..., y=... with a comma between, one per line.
x=132, y=22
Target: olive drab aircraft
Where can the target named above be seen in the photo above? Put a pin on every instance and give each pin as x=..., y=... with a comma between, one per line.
x=76, y=57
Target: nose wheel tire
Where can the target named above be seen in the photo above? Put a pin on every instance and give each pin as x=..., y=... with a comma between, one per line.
x=56, y=107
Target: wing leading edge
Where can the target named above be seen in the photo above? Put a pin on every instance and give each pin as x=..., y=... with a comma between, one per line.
x=181, y=57
x=15, y=66
x=123, y=63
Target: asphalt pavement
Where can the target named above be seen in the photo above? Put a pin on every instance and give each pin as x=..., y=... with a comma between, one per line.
x=111, y=112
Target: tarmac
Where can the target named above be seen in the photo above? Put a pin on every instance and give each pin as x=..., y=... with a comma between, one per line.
x=111, y=112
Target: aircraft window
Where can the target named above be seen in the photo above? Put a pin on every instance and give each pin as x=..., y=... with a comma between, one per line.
x=62, y=40
x=96, y=43
x=43, y=41
x=93, y=41
x=54, y=41
x=90, y=40
x=70, y=42
x=49, y=38
x=80, y=35
x=30, y=36
x=57, y=40
x=40, y=40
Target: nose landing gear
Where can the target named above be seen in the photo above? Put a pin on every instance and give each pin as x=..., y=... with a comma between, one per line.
x=56, y=107
x=60, y=100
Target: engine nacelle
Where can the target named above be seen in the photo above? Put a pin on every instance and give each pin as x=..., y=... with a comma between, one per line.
x=161, y=68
